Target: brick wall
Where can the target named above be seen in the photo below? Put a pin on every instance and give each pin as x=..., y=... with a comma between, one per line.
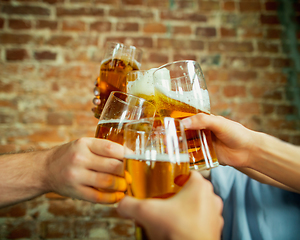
x=50, y=52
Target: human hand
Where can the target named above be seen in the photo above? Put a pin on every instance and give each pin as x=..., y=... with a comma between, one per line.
x=233, y=142
x=192, y=213
x=79, y=168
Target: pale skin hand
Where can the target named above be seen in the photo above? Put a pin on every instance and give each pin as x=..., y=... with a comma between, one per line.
x=195, y=212
x=260, y=156
x=76, y=169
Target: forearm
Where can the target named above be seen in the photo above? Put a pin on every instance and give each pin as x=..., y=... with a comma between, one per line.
x=277, y=159
x=22, y=177
x=262, y=178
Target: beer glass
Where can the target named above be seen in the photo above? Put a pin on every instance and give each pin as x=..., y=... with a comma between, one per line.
x=156, y=159
x=119, y=109
x=118, y=60
x=180, y=92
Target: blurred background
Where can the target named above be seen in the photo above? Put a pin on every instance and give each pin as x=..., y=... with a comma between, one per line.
x=50, y=54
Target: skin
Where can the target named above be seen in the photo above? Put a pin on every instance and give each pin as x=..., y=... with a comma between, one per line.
x=194, y=211
x=261, y=156
x=88, y=168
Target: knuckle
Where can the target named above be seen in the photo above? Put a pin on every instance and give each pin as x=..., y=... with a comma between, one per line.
x=106, y=181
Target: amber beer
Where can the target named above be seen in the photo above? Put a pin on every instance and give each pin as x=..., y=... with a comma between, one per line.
x=111, y=130
x=154, y=179
x=199, y=143
x=113, y=77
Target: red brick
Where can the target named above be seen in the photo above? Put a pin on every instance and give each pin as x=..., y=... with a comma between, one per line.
x=26, y=10
x=60, y=11
x=10, y=38
x=234, y=91
x=15, y=211
x=177, y=56
x=193, y=17
x=1, y=23
x=90, y=229
x=154, y=28
x=24, y=229
x=16, y=54
x=59, y=40
x=252, y=32
x=295, y=140
x=110, y=2
x=286, y=110
x=282, y=62
x=123, y=229
x=280, y=124
x=268, y=108
x=180, y=44
x=273, y=33
x=19, y=24
x=158, y=58
x=207, y=6
x=100, y=26
x=269, y=19
x=132, y=2
x=55, y=229
x=222, y=46
x=250, y=6
x=243, y=75
x=182, y=30
x=45, y=135
x=206, y=32
x=229, y=6
x=249, y=108
x=271, y=5
x=45, y=55
x=69, y=25
x=274, y=77
x=85, y=119
x=124, y=13
x=127, y=26
x=228, y=32
x=220, y=75
x=236, y=62
x=260, y=62
x=268, y=47
x=146, y=42
x=42, y=24
x=64, y=208
x=59, y=119
x=6, y=87
x=9, y=103
x=53, y=1
x=266, y=92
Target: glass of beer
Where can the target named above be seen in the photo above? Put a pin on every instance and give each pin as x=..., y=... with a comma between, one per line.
x=119, y=109
x=180, y=92
x=118, y=60
x=156, y=159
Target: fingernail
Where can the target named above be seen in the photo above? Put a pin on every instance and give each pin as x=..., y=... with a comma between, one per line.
x=187, y=122
x=119, y=195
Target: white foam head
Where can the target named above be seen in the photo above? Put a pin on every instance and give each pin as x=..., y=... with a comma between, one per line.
x=151, y=155
x=143, y=84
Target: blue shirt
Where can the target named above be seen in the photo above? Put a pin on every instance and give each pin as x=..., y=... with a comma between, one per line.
x=253, y=210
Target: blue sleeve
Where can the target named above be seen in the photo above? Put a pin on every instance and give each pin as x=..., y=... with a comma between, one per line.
x=253, y=210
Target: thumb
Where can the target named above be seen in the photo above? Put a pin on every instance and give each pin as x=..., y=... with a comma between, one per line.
x=128, y=207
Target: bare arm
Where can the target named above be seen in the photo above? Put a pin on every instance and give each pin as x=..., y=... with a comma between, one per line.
x=261, y=156
x=89, y=169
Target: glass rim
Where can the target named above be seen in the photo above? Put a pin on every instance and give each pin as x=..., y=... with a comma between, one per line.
x=123, y=45
x=132, y=96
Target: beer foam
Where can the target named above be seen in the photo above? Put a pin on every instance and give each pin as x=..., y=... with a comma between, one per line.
x=143, y=84
x=151, y=155
x=198, y=98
